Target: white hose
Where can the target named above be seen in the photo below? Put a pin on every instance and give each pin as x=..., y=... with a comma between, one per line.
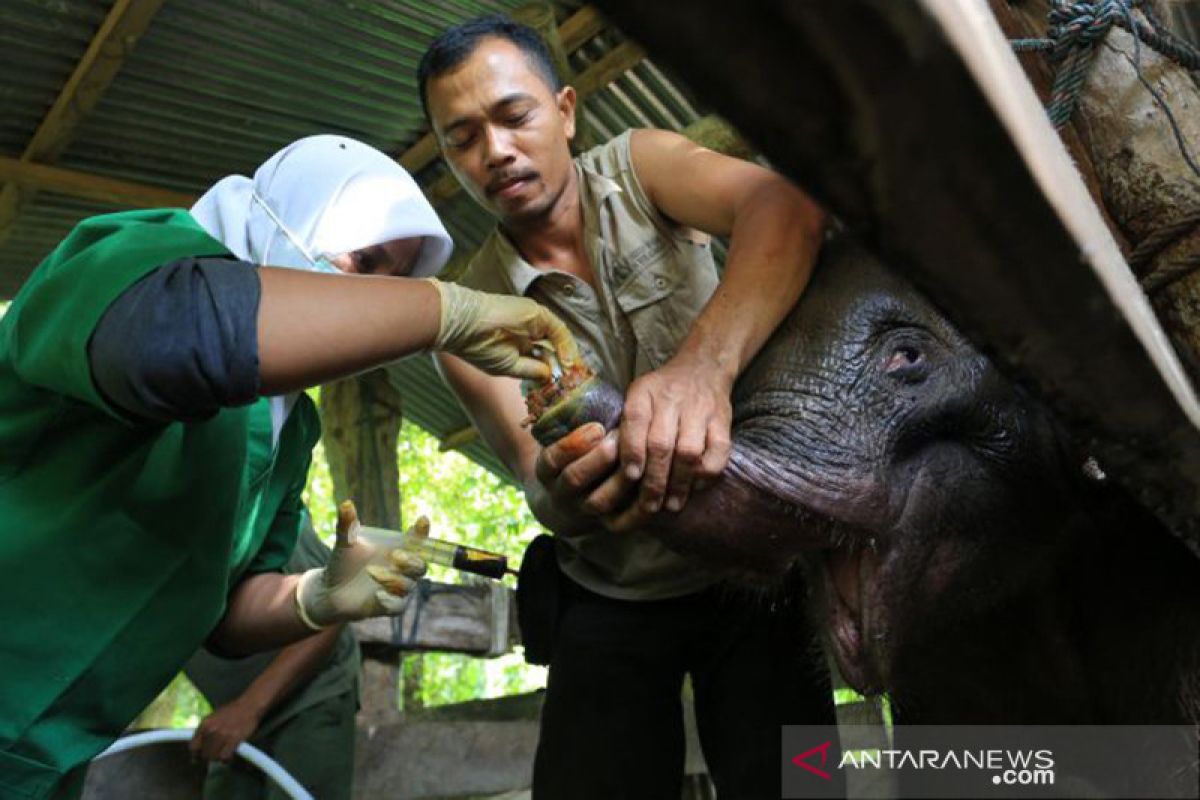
x=246, y=750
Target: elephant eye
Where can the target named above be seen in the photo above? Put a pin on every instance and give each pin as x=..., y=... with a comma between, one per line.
x=901, y=358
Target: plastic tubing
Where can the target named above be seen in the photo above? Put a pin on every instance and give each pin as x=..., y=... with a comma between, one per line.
x=246, y=750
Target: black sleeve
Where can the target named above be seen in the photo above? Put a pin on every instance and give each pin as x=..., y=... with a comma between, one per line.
x=181, y=343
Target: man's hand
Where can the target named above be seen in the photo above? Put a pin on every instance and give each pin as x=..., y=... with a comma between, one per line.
x=497, y=333
x=674, y=432
x=578, y=475
x=359, y=581
x=219, y=734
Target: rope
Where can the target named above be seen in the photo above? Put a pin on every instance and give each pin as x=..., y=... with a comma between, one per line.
x=1074, y=30
x=1168, y=274
x=1159, y=240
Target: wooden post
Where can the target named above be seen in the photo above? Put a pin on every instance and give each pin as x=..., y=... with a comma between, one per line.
x=361, y=417
x=27, y=175
x=379, y=682
x=1126, y=150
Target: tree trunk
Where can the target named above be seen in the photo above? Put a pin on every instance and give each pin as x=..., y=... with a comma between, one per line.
x=361, y=417
x=361, y=420
x=412, y=671
x=1124, y=146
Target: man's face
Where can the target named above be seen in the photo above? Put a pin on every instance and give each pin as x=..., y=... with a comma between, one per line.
x=504, y=133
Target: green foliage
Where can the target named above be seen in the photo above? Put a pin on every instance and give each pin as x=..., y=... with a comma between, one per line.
x=190, y=705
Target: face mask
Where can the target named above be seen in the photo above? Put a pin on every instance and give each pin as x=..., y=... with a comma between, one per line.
x=320, y=263
x=324, y=264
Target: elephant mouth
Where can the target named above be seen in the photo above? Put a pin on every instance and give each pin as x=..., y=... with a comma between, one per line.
x=857, y=628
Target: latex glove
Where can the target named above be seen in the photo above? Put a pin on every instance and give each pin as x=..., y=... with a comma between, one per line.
x=498, y=332
x=360, y=581
x=218, y=735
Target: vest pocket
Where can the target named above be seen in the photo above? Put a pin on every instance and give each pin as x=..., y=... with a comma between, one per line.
x=649, y=285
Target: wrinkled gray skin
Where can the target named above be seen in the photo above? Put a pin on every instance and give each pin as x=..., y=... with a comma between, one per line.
x=977, y=576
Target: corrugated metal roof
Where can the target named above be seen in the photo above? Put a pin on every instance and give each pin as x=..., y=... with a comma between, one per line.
x=215, y=87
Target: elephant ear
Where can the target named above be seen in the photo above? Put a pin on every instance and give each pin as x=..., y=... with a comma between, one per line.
x=981, y=207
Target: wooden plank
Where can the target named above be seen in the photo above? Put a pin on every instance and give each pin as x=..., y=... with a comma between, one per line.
x=883, y=118
x=438, y=759
x=573, y=33
x=612, y=65
x=458, y=439
x=360, y=428
x=116, y=37
x=473, y=755
x=479, y=619
x=87, y=186
x=580, y=27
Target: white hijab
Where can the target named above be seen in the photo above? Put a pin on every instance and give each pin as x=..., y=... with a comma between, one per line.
x=320, y=197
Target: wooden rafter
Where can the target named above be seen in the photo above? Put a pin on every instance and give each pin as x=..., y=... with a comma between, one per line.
x=30, y=177
x=456, y=440
x=124, y=25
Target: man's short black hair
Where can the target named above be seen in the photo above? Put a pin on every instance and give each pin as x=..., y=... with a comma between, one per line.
x=455, y=45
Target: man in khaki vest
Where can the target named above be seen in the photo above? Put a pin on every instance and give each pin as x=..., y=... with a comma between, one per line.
x=616, y=243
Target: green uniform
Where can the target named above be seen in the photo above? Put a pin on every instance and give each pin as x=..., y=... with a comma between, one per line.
x=120, y=540
x=311, y=733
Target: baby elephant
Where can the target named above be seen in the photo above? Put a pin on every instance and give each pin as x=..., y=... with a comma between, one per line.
x=961, y=555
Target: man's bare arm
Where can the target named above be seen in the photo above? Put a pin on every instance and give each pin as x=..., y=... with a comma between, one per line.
x=219, y=734
x=677, y=419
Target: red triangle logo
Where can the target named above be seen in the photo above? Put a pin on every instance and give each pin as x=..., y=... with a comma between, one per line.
x=802, y=759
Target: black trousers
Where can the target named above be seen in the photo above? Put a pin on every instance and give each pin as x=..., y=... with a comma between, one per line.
x=612, y=723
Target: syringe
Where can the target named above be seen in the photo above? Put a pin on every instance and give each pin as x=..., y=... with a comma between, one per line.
x=436, y=551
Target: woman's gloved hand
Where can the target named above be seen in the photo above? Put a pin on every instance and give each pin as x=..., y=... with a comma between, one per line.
x=497, y=333
x=359, y=581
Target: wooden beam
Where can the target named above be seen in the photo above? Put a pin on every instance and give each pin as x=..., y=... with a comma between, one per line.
x=573, y=33
x=125, y=23
x=476, y=618
x=456, y=440
x=580, y=27
x=31, y=177
x=360, y=428
x=614, y=64
x=421, y=154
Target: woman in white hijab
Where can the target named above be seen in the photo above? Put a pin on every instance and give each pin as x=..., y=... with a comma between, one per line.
x=156, y=443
